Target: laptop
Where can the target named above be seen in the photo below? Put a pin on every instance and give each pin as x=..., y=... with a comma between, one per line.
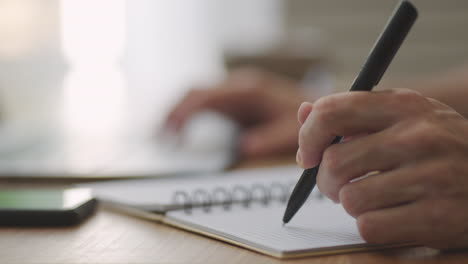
x=206, y=144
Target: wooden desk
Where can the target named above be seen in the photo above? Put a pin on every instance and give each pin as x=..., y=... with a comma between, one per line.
x=114, y=238
x=109, y=237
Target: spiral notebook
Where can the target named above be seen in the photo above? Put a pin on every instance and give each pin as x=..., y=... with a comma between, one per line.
x=158, y=196
x=243, y=208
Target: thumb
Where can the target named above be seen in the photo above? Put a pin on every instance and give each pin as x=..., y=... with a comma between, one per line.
x=269, y=139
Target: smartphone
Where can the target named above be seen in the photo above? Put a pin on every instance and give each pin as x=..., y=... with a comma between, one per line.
x=45, y=207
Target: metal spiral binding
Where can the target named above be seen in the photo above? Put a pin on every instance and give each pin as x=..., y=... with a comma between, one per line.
x=238, y=194
x=226, y=199
x=186, y=203
x=241, y=194
x=202, y=197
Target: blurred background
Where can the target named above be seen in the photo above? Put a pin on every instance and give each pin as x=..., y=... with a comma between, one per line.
x=436, y=43
x=94, y=66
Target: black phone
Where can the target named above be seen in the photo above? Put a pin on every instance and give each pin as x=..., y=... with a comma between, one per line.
x=45, y=207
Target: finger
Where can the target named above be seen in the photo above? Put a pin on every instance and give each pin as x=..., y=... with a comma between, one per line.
x=348, y=160
x=304, y=111
x=428, y=222
x=381, y=190
x=276, y=137
x=438, y=104
x=183, y=110
x=400, y=224
x=224, y=100
x=352, y=113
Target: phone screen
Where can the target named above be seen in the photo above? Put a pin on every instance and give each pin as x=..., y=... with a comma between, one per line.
x=43, y=199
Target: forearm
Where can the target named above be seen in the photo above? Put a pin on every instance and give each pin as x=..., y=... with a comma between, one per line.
x=450, y=88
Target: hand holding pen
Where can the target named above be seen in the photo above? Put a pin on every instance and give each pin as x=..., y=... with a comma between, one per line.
x=416, y=148
x=375, y=66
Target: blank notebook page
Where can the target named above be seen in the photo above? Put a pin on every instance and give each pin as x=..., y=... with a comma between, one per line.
x=320, y=227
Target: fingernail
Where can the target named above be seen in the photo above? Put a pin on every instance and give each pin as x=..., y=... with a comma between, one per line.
x=303, y=104
x=299, y=158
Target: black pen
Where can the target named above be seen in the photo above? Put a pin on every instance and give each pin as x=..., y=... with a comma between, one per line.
x=376, y=64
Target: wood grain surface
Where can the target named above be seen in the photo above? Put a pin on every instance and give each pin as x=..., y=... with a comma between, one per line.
x=109, y=237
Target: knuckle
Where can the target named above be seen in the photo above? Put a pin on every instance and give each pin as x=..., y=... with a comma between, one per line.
x=422, y=136
x=350, y=200
x=422, y=106
x=409, y=101
x=399, y=141
x=368, y=228
x=330, y=173
x=324, y=108
x=331, y=161
x=407, y=95
x=442, y=178
x=438, y=214
x=427, y=133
